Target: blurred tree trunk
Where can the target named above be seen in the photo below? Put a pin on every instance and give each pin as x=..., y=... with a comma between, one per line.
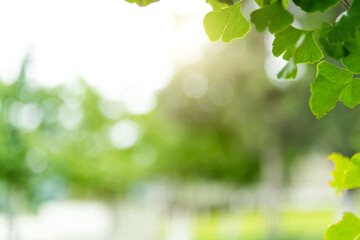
x=350, y=201
x=114, y=209
x=10, y=212
x=272, y=185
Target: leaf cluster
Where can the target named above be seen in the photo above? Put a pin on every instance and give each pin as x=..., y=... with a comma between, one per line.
x=337, y=41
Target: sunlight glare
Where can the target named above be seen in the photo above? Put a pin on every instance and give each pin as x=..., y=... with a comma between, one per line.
x=114, y=45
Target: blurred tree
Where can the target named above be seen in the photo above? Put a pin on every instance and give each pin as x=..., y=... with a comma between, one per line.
x=21, y=164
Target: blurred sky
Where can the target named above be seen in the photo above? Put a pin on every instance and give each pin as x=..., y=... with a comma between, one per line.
x=124, y=51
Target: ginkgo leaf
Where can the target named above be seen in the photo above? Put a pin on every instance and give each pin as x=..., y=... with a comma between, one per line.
x=261, y=3
x=350, y=96
x=273, y=16
x=285, y=3
x=315, y=5
x=352, y=60
x=217, y=5
x=297, y=44
x=346, y=229
x=289, y=71
x=227, y=23
x=352, y=175
x=142, y=3
x=336, y=50
x=327, y=87
x=345, y=29
x=342, y=164
x=348, y=51
x=346, y=173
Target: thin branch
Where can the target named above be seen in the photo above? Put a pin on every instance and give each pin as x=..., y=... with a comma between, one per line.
x=345, y=4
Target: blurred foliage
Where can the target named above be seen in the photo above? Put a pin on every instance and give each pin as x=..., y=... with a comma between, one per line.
x=216, y=120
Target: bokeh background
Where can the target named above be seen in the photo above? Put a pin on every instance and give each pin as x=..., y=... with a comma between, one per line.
x=120, y=122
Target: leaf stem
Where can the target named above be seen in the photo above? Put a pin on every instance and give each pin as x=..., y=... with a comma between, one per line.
x=345, y=4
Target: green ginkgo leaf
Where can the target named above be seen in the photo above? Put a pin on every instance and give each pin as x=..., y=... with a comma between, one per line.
x=350, y=96
x=272, y=16
x=297, y=44
x=336, y=50
x=346, y=229
x=142, y=3
x=262, y=3
x=327, y=88
x=289, y=71
x=346, y=28
x=352, y=60
x=315, y=5
x=228, y=24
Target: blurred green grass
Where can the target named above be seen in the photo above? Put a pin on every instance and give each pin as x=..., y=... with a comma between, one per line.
x=252, y=225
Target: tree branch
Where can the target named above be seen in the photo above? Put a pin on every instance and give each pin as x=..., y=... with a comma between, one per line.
x=345, y=4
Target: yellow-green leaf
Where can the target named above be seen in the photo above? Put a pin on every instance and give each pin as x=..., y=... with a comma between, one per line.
x=342, y=164
x=346, y=229
x=346, y=173
x=142, y=3
x=228, y=24
x=217, y=5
